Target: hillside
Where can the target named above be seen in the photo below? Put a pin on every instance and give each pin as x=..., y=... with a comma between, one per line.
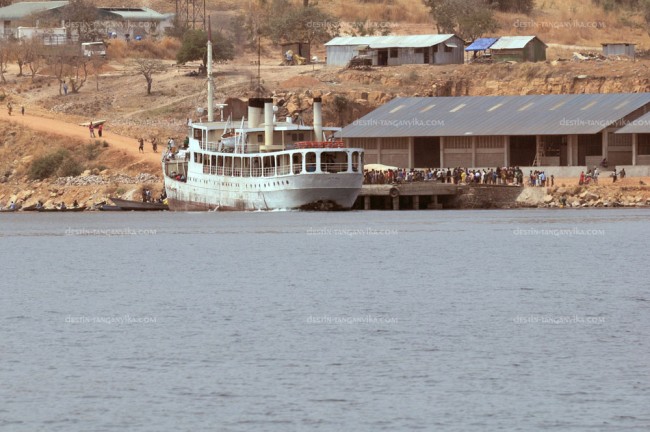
x=119, y=96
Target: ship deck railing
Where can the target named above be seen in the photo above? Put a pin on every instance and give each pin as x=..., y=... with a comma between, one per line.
x=215, y=146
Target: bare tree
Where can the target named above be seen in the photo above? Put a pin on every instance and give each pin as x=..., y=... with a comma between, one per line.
x=147, y=67
x=33, y=56
x=67, y=63
x=5, y=58
x=35, y=64
x=19, y=54
x=77, y=71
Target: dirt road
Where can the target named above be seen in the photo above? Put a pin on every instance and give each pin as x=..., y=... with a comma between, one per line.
x=72, y=130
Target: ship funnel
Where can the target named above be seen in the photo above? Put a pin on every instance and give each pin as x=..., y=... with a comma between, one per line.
x=318, y=119
x=255, y=106
x=268, y=122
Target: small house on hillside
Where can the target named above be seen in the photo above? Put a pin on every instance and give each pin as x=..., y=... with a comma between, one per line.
x=618, y=49
x=519, y=48
x=13, y=15
x=397, y=50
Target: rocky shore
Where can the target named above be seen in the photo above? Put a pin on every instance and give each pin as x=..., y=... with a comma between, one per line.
x=631, y=192
x=87, y=189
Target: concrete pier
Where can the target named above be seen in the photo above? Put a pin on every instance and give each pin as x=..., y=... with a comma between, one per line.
x=420, y=195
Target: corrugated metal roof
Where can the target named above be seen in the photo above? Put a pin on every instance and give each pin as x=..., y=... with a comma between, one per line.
x=135, y=14
x=21, y=10
x=513, y=42
x=481, y=44
x=376, y=42
x=496, y=115
x=640, y=125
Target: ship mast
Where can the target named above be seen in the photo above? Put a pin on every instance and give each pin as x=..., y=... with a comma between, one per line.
x=209, y=72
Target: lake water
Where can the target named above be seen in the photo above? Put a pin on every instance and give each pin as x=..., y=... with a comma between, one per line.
x=361, y=321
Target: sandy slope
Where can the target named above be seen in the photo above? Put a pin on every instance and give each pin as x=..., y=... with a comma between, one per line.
x=60, y=127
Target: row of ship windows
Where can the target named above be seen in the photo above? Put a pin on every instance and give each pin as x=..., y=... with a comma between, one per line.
x=247, y=186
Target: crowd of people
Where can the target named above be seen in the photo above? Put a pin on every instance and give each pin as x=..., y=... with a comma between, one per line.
x=499, y=175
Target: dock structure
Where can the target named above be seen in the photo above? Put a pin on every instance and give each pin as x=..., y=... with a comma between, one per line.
x=421, y=195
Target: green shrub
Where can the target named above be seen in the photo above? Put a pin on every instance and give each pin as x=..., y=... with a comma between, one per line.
x=70, y=168
x=47, y=165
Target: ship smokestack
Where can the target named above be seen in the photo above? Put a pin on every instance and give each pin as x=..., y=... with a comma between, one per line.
x=255, y=106
x=209, y=73
x=268, y=122
x=318, y=119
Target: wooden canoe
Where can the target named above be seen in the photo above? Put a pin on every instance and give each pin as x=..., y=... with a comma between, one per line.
x=139, y=205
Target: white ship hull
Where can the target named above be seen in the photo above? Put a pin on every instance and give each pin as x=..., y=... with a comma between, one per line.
x=209, y=192
x=271, y=167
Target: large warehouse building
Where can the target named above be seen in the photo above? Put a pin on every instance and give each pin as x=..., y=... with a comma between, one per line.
x=489, y=131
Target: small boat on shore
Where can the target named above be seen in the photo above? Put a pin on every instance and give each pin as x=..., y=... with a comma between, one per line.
x=129, y=205
x=61, y=210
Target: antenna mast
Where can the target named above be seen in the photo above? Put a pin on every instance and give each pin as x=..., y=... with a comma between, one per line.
x=209, y=72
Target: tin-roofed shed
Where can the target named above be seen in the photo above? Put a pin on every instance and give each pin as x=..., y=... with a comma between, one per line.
x=10, y=15
x=519, y=48
x=397, y=50
x=618, y=49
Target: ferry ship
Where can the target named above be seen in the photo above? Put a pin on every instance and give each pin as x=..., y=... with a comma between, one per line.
x=270, y=165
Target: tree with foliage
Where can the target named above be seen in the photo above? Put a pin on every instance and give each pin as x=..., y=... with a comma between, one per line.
x=195, y=47
x=469, y=19
x=521, y=6
x=302, y=24
x=364, y=28
x=82, y=16
x=147, y=67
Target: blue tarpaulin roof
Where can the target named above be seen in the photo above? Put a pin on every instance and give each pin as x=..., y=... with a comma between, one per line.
x=481, y=44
